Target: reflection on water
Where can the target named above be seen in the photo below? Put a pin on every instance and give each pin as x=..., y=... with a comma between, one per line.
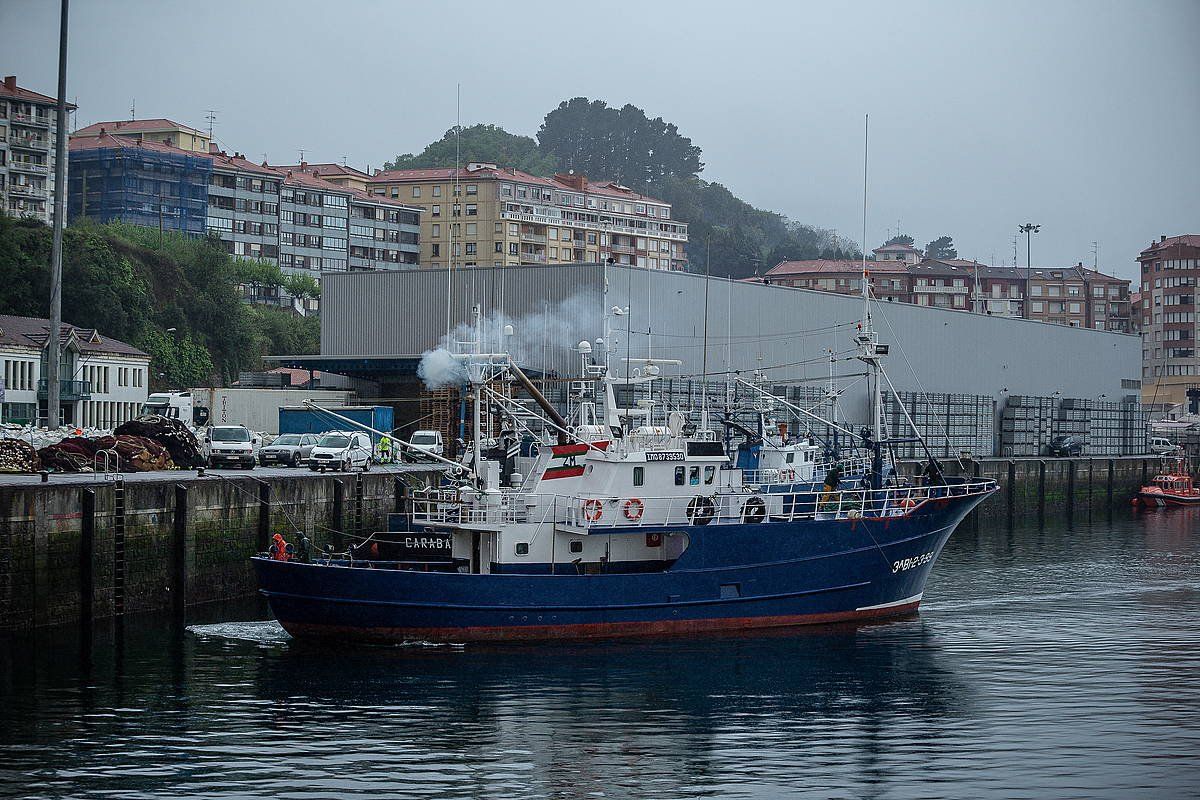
x=1046, y=662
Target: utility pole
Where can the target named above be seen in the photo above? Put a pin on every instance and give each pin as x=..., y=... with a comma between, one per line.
x=54, y=354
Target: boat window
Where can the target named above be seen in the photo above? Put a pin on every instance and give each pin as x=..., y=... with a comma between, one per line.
x=791, y=457
x=522, y=548
x=576, y=547
x=710, y=474
x=808, y=455
x=694, y=476
x=639, y=476
x=679, y=476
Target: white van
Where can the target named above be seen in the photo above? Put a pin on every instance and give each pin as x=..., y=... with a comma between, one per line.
x=1160, y=445
x=342, y=450
x=229, y=445
x=429, y=441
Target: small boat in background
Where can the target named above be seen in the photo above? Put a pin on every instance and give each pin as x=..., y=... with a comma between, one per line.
x=1173, y=486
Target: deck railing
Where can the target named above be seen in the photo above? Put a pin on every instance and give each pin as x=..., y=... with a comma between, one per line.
x=443, y=506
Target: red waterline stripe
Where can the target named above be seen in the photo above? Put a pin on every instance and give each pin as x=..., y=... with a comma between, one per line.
x=593, y=630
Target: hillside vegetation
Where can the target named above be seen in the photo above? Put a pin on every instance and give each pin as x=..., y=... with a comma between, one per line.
x=649, y=156
x=133, y=285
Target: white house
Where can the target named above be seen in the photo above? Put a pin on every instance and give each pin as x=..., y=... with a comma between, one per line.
x=103, y=381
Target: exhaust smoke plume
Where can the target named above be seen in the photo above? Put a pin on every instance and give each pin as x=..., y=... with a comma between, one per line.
x=534, y=340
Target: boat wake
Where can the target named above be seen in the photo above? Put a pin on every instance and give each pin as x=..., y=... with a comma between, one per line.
x=264, y=632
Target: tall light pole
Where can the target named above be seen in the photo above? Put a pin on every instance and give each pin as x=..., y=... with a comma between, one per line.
x=1028, y=229
x=54, y=354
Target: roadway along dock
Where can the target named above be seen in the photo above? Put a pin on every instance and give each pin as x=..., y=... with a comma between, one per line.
x=82, y=548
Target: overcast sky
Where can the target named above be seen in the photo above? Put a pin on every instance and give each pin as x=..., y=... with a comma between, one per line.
x=1081, y=116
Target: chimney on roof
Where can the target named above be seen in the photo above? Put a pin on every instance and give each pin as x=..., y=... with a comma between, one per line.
x=1162, y=238
x=103, y=131
x=303, y=166
x=10, y=82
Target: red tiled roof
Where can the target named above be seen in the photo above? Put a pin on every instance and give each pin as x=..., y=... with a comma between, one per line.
x=296, y=178
x=78, y=143
x=239, y=162
x=10, y=90
x=1186, y=240
x=34, y=331
x=124, y=126
x=324, y=169
x=448, y=174
x=820, y=265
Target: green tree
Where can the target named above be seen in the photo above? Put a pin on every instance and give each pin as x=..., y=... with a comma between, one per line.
x=941, y=247
x=487, y=143
x=622, y=144
x=900, y=238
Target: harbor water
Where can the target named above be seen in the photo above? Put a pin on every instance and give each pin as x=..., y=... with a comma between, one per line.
x=1047, y=661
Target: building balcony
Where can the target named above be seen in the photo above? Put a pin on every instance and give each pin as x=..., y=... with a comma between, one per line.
x=67, y=390
x=533, y=258
x=29, y=119
x=28, y=166
x=940, y=290
x=27, y=191
x=28, y=142
x=533, y=237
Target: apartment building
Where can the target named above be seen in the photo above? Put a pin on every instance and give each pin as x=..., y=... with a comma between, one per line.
x=494, y=216
x=889, y=280
x=1170, y=270
x=163, y=131
x=103, y=381
x=898, y=251
x=243, y=206
x=27, y=143
x=138, y=181
x=337, y=174
x=1074, y=296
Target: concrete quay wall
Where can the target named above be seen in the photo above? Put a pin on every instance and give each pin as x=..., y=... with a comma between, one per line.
x=76, y=552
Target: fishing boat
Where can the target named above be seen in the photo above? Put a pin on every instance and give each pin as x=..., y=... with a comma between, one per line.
x=1172, y=486
x=627, y=525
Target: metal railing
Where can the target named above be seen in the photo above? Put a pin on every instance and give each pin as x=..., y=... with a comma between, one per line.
x=582, y=512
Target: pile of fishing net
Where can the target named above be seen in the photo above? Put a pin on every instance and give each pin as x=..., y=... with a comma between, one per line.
x=172, y=434
x=18, y=456
x=119, y=453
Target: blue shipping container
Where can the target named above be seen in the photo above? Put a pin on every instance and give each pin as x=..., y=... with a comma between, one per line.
x=308, y=420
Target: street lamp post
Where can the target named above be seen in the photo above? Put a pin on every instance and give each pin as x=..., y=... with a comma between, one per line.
x=1028, y=229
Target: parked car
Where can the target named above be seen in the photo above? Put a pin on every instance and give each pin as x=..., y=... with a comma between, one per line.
x=429, y=441
x=342, y=450
x=1066, y=446
x=231, y=445
x=290, y=449
x=1162, y=446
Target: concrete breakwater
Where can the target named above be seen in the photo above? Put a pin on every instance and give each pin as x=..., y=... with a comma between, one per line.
x=86, y=550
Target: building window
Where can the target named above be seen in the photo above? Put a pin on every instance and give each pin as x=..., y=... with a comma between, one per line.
x=472, y=209
x=436, y=211
x=437, y=191
x=435, y=249
x=436, y=230
x=416, y=191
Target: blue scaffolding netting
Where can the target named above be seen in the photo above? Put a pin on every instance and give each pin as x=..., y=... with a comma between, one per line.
x=140, y=186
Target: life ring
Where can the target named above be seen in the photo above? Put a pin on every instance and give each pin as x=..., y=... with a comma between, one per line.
x=754, y=511
x=701, y=510
x=593, y=510
x=633, y=509
x=908, y=504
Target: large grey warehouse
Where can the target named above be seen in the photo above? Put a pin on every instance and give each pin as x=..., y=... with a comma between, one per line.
x=377, y=324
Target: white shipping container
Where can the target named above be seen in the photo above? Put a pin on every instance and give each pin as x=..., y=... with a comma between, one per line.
x=258, y=409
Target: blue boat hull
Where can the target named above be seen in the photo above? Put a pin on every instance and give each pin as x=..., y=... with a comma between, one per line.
x=730, y=577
